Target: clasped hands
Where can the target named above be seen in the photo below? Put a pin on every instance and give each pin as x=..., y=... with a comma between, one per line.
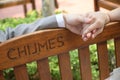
x=88, y=25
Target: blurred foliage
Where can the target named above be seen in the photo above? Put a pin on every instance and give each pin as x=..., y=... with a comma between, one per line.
x=53, y=61
x=13, y=22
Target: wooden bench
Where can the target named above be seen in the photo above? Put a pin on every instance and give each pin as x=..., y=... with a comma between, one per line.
x=107, y=4
x=41, y=45
x=9, y=3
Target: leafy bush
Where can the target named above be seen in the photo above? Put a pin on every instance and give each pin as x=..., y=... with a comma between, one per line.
x=13, y=22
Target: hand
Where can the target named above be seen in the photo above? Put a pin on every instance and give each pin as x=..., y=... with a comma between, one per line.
x=97, y=21
x=74, y=22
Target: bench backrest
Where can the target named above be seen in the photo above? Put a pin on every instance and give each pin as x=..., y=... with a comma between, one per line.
x=10, y=3
x=107, y=4
x=41, y=45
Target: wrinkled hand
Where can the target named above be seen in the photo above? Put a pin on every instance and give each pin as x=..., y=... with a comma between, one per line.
x=74, y=22
x=97, y=21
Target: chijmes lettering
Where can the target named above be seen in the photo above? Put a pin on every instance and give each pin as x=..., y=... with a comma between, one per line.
x=35, y=48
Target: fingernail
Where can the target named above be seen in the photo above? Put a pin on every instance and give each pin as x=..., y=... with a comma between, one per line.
x=84, y=39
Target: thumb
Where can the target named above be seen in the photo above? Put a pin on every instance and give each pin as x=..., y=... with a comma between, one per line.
x=87, y=20
x=83, y=19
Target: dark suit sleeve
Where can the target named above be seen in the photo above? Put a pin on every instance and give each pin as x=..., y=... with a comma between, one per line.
x=44, y=23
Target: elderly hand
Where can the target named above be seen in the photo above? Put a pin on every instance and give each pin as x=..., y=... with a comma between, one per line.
x=75, y=22
x=97, y=21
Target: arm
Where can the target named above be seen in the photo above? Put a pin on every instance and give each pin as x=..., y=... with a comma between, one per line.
x=114, y=15
x=72, y=22
x=48, y=22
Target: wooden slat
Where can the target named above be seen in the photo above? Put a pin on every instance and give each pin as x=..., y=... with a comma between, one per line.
x=96, y=6
x=21, y=72
x=117, y=51
x=107, y=4
x=25, y=9
x=43, y=69
x=103, y=60
x=114, y=1
x=65, y=67
x=33, y=4
x=1, y=76
x=85, y=65
x=7, y=3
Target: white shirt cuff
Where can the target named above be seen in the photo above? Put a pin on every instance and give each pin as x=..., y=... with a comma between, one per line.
x=60, y=20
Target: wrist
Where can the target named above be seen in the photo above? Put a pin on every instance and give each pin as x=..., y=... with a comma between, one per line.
x=108, y=19
x=64, y=17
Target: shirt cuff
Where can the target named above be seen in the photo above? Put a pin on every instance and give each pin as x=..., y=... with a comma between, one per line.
x=60, y=20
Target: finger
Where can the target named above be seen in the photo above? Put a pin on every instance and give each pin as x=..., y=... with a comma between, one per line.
x=89, y=35
x=85, y=38
x=87, y=20
x=96, y=33
x=85, y=26
x=83, y=19
x=90, y=28
x=93, y=33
